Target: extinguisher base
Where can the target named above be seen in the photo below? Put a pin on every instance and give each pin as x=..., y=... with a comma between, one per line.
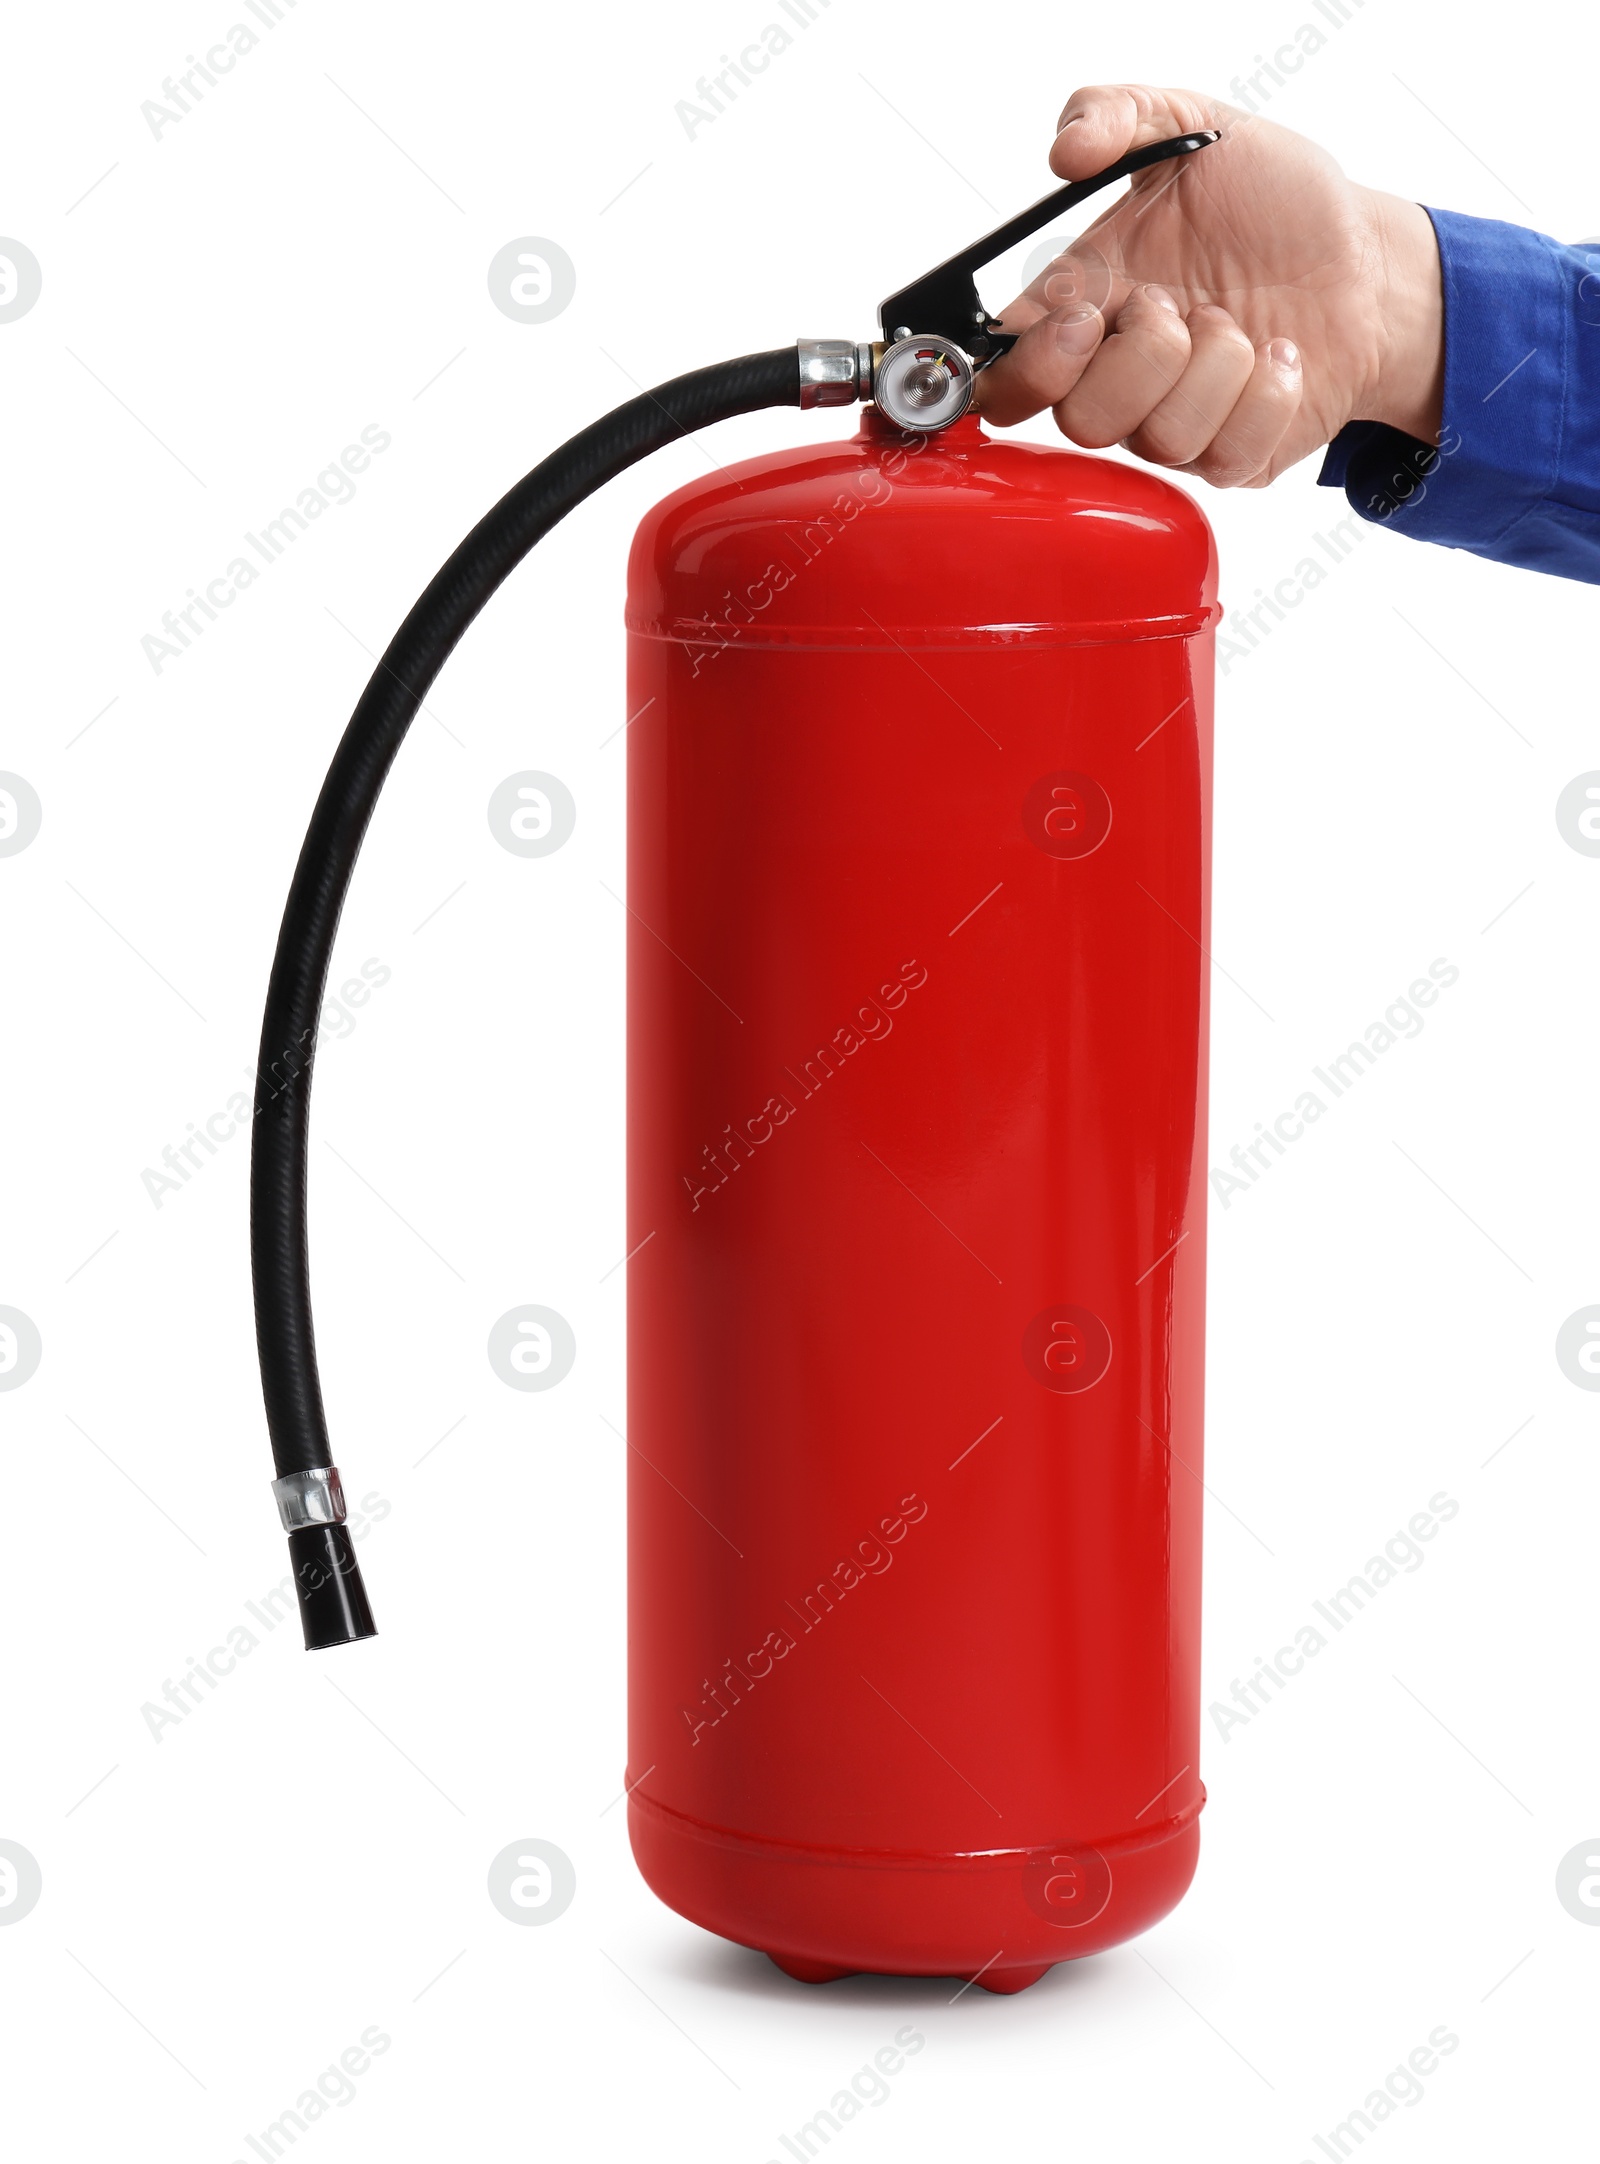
x=995, y=1918
x=809, y=1972
x=1003, y=1982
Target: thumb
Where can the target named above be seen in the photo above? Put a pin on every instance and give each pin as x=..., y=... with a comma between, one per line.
x=1101, y=124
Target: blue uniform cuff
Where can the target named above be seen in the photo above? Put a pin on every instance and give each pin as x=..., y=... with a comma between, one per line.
x=1516, y=472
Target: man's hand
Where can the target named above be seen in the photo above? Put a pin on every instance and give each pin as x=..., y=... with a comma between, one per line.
x=1235, y=310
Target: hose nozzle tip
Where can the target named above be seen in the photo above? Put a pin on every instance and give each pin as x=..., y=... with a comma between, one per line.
x=327, y=1581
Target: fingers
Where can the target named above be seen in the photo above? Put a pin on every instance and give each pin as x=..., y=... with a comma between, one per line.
x=1096, y=128
x=1183, y=424
x=1185, y=392
x=1117, y=359
x=1043, y=365
x=1101, y=124
x=1133, y=372
x=1241, y=452
x=1102, y=379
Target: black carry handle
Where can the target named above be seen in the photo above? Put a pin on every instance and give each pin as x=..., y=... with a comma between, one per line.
x=944, y=303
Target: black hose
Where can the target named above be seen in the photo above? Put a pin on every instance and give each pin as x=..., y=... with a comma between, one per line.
x=333, y=1604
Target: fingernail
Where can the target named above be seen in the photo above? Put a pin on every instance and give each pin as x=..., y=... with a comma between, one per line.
x=1284, y=352
x=1162, y=298
x=1078, y=331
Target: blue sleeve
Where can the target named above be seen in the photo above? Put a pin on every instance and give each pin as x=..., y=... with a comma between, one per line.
x=1516, y=473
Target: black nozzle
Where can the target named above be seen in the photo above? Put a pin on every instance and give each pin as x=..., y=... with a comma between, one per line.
x=327, y=1578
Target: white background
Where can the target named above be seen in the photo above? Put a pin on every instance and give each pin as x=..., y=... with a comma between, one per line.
x=227, y=1908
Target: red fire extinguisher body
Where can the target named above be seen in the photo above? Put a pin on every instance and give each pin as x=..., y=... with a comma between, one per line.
x=919, y=788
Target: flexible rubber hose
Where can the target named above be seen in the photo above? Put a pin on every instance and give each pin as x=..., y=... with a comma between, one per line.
x=496, y=545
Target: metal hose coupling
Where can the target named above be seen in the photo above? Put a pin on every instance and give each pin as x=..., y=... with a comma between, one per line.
x=834, y=371
x=921, y=383
x=334, y=1610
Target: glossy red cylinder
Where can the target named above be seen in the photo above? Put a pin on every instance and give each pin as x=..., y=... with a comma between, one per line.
x=919, y=816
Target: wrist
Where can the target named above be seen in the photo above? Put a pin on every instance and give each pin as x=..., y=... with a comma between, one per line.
x=1407, y=390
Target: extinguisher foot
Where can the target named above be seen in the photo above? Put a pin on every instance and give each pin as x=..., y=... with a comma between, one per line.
x=1003, y=1981
x=1009, y=1980
x=808, y=1972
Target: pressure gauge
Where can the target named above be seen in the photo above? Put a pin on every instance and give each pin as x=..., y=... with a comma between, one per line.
x=923, y=383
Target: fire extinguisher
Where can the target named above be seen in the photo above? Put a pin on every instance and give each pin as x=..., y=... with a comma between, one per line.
x=918, y=804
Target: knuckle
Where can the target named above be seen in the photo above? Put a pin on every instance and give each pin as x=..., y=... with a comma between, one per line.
x=1084, y=419
x=1156, y=331
x=1218, y=329
x=1167, y=440
x=1231, y=470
